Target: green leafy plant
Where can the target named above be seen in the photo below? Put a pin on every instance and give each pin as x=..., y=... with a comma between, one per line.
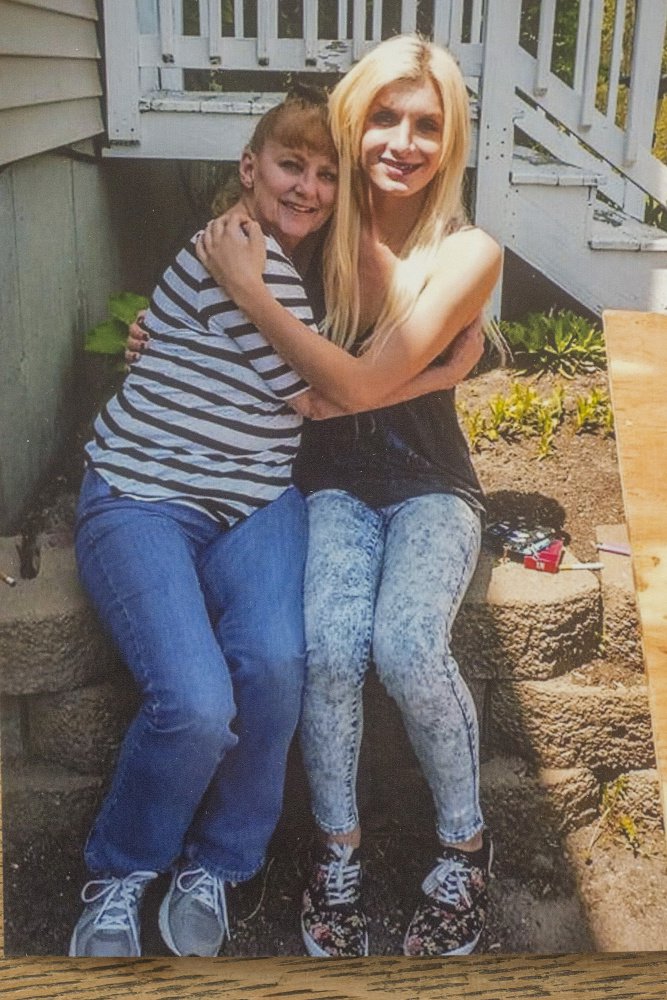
x=522, y=412
x=474, y=426
x=109, y=337
x=593, y=412
x=615, y=821
x=561, y=342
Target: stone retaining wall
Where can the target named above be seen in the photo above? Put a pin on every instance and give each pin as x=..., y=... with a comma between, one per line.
x=553, y=728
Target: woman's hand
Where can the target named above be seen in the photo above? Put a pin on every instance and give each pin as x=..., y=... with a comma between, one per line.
x=232, y=248
x=137, y=338
x=464, y=353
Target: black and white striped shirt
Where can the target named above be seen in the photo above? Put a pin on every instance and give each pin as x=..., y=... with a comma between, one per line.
x=202, y=418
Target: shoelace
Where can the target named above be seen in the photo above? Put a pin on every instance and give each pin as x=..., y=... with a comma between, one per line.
x=448, y=882
x=119, y=898
x=342, y=878
x=209, y=890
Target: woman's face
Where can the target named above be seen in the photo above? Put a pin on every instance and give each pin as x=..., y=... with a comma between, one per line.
x=292, y=190
x=402, y=140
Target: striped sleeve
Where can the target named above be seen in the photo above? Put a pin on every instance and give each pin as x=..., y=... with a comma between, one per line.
x=225, y=318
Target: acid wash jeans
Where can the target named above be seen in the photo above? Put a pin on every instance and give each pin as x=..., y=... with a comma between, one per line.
x=387, y=583
x=210, y=622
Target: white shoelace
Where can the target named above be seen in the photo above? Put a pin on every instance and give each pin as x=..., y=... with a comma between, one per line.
x=207, y=889
x=119, y=899
x=342, y=877
x=448, y=882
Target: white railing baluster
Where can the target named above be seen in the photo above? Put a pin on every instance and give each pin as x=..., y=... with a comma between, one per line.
x=455, y=25
x=171, y=30
x=342, y=18
x=650, y=22
x=592, y=67
x=376, y=30
x=580, y=52
x=214, y=31
x=545, y=44
x=616, y=59
x=166, y=10
x=267, y=29
x=147, y=17
x=408, y=16
x=358, y=29
x=122, y=70
x=310, y=31
x=442, y=21
x=476, y=21
x=239, y=26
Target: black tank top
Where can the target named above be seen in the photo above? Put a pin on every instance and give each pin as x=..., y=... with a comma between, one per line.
x=389, y=455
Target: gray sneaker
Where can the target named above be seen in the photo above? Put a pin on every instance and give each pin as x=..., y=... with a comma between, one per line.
x=193, y=914
x=109, y=924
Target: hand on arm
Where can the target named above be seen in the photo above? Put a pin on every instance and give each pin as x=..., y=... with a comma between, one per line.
x=468, y=269
x=137, y=338
x=466, y=350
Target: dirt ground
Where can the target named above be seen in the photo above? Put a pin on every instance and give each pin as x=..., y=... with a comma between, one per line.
x=606, y=897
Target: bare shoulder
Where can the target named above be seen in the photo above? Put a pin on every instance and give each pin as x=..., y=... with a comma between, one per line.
x=470, y=247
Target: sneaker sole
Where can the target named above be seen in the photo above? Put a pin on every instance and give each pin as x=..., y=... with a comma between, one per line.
x=314, y=950
x=74, y=952
x=163, y=924
x=465, y=949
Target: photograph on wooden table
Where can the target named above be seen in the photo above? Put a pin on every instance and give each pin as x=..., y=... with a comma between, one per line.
x=264, y=590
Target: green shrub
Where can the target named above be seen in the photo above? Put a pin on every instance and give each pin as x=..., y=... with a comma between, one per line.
x=561, y=342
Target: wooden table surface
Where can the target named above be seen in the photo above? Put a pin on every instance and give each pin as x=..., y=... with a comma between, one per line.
x=637, y=347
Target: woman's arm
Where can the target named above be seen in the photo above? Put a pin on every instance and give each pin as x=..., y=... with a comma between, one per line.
x=465, y=352
x=468, y=268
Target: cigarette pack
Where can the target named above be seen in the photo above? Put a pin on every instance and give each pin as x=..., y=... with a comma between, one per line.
x=547, y=560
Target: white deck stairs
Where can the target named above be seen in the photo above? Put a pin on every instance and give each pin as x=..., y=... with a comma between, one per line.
x=565, y=173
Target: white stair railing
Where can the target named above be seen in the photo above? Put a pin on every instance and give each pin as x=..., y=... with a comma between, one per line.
x=149, y=51
x=611, y=108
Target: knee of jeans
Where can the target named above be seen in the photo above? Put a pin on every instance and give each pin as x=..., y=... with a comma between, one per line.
x=335, y=656
x=272, y=678
x=409, y=654
x=203, y=714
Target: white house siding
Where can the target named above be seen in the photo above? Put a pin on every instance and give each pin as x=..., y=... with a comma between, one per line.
x=59, y=261
x=49, y=79
x=58, y=257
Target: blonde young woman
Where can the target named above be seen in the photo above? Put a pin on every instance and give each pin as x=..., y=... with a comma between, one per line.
x=394, y=504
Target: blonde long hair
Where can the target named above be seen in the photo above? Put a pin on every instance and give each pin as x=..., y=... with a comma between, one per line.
x=403, y=57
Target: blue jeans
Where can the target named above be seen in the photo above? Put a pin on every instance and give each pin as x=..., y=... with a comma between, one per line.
x=388, y=583
x=210, y=622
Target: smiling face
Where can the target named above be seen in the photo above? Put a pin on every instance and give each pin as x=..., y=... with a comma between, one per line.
x=401, y=145
x=291, y=191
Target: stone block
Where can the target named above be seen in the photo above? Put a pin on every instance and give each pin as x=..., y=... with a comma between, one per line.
x=49, y=636
x=81, y=729
x=43, y=798
x=621, y=626
x=11, y=727
x=520, y=803
x=519, y=623
x=641, y=799
x=565, y=723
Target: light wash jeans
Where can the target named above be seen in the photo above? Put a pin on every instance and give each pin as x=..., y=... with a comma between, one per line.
x=388, y=583
x=210, y=622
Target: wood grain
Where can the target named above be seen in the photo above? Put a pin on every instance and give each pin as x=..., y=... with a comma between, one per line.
x=637, y=346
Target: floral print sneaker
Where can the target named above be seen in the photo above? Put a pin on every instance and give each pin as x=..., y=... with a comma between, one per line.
x=333, y=924
x=452, y=912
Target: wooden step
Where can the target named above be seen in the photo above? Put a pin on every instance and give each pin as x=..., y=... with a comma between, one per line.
x=613, y=230
x=531, y=166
